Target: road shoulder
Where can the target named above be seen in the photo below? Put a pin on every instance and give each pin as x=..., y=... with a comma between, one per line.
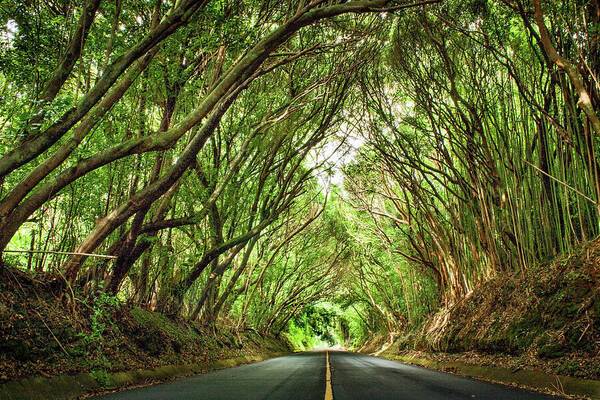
x=528, y=379
x=67, y=387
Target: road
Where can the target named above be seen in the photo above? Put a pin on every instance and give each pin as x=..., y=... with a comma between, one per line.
x=303, y=376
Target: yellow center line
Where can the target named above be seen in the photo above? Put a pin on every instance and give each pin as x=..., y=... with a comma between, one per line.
x=328, y=390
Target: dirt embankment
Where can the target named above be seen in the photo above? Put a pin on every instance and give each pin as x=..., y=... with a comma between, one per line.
x=547, y=318
x=45, y=334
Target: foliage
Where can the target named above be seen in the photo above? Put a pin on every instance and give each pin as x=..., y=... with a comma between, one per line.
x=317, y=324
x=243, y=162
x=102, y=311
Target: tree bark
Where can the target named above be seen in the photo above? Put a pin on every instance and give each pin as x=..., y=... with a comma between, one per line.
x=584, y=102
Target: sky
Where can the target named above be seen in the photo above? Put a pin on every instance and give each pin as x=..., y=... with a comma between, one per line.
x=337, y=153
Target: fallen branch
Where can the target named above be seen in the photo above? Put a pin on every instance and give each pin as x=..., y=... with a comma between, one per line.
x=563, y=183
x=60, y=252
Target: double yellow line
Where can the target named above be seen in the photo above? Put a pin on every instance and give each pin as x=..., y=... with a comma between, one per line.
x=328, y=390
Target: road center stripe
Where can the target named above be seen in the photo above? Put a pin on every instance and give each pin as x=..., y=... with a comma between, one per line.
x=328, y=390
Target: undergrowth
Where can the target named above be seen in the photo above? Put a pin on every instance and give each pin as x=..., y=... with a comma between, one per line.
x=548, y=315
x=43, y=332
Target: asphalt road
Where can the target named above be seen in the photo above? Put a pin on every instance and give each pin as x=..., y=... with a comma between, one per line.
x=302, y=376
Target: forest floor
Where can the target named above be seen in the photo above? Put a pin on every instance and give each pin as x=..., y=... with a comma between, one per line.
x=42, y=334
x=545, y=319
